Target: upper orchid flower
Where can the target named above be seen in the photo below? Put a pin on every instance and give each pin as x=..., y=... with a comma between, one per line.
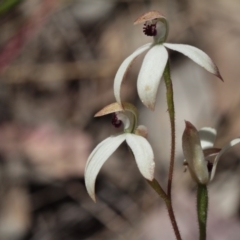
x=201, y=157
x=125, y=114
x=156, y=59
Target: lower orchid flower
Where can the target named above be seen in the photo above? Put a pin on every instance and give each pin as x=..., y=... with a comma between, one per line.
x=135, y=137
x=200, y=154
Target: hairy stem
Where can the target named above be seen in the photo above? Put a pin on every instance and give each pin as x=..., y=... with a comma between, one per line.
x=158, y=189
x=202, y=208
x=171, y=111
x=173, y=220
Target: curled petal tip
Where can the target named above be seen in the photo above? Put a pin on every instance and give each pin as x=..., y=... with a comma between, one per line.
x=93, y=197
x=97, y=114
x=152, y=178
x=149, y=103
x=148, y=17
x=215, y=71
x=151, y=107
x=111, y=108
x=219, y=75
x=190, y=131
x=189, y=125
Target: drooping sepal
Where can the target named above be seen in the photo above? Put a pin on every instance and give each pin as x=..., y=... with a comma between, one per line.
x=196, y=55
x=122, y=70
x=96, y=160
x=143, y=154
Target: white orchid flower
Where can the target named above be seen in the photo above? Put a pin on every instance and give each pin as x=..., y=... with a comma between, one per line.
x=156, y=59
x=200, y=154
x=125, y=114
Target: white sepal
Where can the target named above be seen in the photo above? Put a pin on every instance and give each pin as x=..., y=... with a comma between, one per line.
x=143, y=154
x=123, y=70
x=150, y=74
x=197, y=55
x=225, y=148
x=194, y=154
x=97, y=158
x=207, y=137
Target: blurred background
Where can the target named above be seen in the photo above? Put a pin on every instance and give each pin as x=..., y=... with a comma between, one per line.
x=58, y=60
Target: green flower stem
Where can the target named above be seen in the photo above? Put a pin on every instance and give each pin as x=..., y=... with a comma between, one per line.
x=158, y=189
x=202, y=208
x=171, y=111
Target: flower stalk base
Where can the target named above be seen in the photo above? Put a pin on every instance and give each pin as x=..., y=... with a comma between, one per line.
x=159, y=190
x=202, y=208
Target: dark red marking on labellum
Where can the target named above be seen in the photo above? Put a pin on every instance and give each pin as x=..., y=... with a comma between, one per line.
x=150, y=29
x=115, y=121
x=209, y=166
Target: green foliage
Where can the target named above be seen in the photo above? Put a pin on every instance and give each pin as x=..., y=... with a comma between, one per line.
x=8, y=5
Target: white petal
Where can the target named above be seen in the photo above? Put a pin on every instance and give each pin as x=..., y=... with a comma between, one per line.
x=97, y=158
x=207, y=137
x=225, y=148
x=143, y=154
x=151, y=73
x=123, y=69
x=197, y=55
